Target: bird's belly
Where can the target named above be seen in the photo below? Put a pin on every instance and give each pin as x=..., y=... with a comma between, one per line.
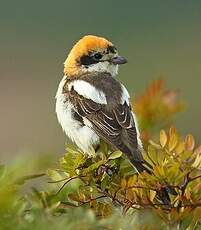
x=83, y=136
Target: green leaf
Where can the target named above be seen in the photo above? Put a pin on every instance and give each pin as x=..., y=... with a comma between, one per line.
x=54, y=175
x=115, y=155
x=104, y=147
x=72, y=161
x=105, y=183
x=93, y=167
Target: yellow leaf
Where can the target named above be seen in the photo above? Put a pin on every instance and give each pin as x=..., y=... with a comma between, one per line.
x=115, y=155
x=132, y=180
x=180, y=148
x=189, y=142
x=159, y=171
x=123, y=183
x=197, y=162
x=173, y=142
x=172, y=131
x=152, y=153
x=152, y=195
x=163, y=138
x=154, y=144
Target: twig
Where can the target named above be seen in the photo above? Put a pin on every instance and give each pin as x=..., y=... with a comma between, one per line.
x=92, y=199
x=138, y=186
x=70, y=179
x=57, y=181
x=194, y=178
x=66, y=204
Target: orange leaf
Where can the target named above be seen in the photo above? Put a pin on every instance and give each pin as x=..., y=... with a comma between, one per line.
x=189, y=142
x=73, y=197
x=197, y=150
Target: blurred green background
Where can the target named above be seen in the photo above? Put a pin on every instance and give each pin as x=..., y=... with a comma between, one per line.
x=159, y=38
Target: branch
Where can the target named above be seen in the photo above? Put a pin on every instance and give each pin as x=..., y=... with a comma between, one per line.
x=67, y=204
x=70, y=179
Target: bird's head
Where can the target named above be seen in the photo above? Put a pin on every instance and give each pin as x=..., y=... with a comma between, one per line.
x=92, y=54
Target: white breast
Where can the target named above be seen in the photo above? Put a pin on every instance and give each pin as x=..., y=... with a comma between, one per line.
x=83, y=136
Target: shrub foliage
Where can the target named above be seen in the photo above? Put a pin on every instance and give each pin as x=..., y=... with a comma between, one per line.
x=105, y=192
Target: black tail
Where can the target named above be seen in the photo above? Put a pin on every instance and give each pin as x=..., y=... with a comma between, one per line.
x=140, y=166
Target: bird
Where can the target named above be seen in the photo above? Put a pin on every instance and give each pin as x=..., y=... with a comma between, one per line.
x=92, y=105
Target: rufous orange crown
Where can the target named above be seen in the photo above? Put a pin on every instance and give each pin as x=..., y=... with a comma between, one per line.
x=83, y=47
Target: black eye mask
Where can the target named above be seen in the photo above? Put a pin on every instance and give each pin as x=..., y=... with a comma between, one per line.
x=92, y=58
x=95, y=57
x=88, y=60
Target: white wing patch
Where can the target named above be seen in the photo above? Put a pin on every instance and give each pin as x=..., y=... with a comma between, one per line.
x=137, y=130
x=125, y=95
x=88, y=91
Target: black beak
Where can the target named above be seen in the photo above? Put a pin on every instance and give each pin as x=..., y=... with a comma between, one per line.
x=119, y=60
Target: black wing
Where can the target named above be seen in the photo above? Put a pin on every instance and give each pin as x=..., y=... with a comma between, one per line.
x=115, y=125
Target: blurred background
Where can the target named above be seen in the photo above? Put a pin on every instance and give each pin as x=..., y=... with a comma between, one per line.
x=159, y=38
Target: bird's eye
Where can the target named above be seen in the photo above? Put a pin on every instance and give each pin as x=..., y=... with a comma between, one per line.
x=98, y=56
